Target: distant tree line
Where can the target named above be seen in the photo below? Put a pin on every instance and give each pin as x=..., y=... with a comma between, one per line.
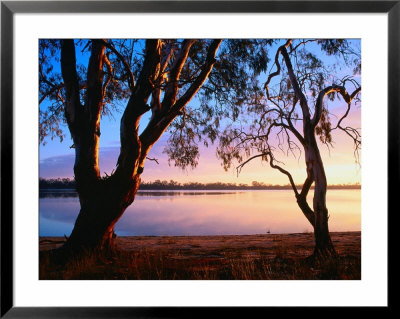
x=57, y=183
x=67, y=183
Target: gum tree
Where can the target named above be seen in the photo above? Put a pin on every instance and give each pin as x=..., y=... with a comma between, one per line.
x=292, y=108
x=156, y=76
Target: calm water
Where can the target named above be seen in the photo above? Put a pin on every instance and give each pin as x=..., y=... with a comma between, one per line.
x=207, y=213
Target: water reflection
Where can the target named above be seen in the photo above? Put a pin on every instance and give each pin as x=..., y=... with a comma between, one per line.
x=207, y=213
x=57, y=193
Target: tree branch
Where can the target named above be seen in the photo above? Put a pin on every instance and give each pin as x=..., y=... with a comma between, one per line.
x=51, y=91
x=73, y=108
x=131, y=78
x=295, y=84
x=283, y=171
x=153, y=159
x=333, y=88
x=57, y=88
x=161, y=78
x=299, y=96
x=94, y=95
x=291, y=126
x=197, y=84
x=271, y=163
x=171, y=89
x=131, y=146
x=155, y=128
x=348, y=107
x=239, y=168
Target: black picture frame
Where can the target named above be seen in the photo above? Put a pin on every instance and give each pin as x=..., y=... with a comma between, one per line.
x=9, y=8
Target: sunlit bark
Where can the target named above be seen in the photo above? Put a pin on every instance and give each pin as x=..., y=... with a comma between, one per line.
x=104, y=200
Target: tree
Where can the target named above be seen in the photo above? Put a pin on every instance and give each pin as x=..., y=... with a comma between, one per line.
x=293, y=106
x=108, y=73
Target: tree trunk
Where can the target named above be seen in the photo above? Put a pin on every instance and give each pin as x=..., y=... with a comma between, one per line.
x=104, y=200
x=101, y=208
x=315, y=167
x=323, y=243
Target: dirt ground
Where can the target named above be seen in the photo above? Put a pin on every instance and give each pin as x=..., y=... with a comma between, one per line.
x=267, y=256
x=293, y=245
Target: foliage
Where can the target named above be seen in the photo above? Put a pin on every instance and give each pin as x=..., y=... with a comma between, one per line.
x=271, y=120
x=238, y=63
x=235, y=90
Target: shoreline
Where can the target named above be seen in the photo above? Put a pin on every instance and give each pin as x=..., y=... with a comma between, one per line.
x=254, y=257
x=295, y=244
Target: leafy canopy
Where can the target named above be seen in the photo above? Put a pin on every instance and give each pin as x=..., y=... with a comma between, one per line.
x=239, y=62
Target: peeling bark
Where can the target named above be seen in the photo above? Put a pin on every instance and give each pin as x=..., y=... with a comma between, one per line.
x=315, y=167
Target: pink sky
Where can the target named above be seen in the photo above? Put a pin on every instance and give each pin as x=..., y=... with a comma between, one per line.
x=339, y=163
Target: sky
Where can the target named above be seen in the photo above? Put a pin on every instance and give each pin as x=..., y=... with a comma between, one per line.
x=57, y=159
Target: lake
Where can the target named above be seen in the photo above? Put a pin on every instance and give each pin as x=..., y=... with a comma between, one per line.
x=182, y=213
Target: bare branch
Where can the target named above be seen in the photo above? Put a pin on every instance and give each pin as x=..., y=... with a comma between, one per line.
x=271, y=163
x=153, y=159
x=239, y=168
x=283, y=171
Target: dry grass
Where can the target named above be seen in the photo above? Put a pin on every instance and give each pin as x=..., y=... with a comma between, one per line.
x=162, y=266
x=255, y=257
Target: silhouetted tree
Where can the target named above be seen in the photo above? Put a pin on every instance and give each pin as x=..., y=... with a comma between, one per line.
x=293, y=106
